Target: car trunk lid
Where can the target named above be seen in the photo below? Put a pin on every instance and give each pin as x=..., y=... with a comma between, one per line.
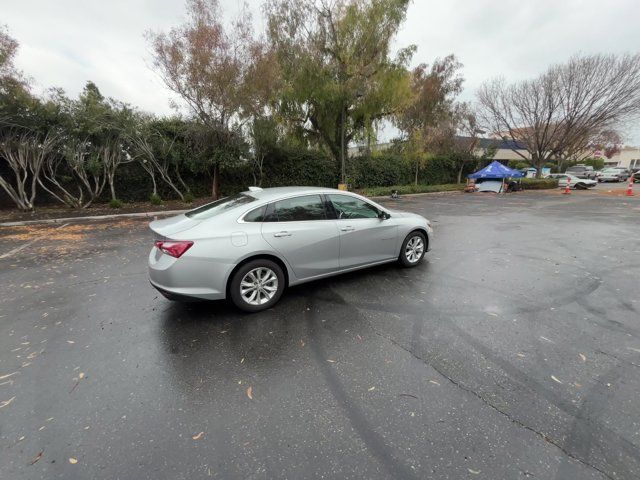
x=167, y=227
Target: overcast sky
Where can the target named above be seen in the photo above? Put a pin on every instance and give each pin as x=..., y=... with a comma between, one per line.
x=64, y=43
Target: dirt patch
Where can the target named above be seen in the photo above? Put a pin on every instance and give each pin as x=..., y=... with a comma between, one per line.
x=57, y=211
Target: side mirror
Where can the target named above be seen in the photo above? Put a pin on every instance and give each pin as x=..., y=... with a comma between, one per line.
x=384, y=216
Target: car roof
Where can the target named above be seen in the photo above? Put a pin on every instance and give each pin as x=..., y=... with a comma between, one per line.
x=269, y=194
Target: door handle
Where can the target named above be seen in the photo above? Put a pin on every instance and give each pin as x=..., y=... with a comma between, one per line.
x=282, y=234
x=347, y=229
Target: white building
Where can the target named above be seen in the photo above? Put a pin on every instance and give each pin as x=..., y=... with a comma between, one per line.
x=628, y=157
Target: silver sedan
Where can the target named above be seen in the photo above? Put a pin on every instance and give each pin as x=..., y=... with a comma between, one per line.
x=249, y=247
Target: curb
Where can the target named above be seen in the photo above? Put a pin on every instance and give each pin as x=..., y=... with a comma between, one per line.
x=91, y=218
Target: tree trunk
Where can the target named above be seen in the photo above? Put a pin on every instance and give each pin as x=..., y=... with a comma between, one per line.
x=460, y=173
x=112, y=187
x=417, y=169
x=215, y=190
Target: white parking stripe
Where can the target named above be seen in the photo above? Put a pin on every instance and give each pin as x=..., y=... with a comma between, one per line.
x=22, y=247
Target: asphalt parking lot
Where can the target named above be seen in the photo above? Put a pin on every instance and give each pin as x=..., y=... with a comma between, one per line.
x=513, y=352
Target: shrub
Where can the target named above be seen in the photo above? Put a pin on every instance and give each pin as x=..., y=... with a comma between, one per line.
x=115, y=203
x=155, y=199
x=539, y=183
x=408, y=189
x=188, y=197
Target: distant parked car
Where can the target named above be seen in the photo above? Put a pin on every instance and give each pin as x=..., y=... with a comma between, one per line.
x=576, y=183
x=582, y=171
x=613, y=174
x=626, y=173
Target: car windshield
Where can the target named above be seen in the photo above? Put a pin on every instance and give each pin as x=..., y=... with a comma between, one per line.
x=219, y=206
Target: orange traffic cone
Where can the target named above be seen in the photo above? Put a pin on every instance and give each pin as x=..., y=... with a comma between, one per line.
x=630, y=187
x=566, y=188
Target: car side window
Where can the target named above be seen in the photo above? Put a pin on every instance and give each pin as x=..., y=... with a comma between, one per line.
x=297, y=209
x=347, y=207
x=256, y=215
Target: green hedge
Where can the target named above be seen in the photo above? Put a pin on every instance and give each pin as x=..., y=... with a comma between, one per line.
x=408, y=189
x=539, y=183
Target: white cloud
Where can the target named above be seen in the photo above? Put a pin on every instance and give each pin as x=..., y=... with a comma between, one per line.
x=67, y=42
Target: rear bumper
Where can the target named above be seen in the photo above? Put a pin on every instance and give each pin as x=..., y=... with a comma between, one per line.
x=187, y=277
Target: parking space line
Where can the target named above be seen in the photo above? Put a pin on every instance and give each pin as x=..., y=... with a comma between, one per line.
x=22, y=247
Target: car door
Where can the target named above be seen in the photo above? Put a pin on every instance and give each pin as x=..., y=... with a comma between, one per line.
x=364, y=236
x=300, y=230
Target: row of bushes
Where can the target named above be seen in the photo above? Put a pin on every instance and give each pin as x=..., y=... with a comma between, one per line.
x=539, y=183
x=408, y=189
x=291, y=166
x=376, y=174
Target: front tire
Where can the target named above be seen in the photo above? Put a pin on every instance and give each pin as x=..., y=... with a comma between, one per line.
x=413, y=249
x=257, y=285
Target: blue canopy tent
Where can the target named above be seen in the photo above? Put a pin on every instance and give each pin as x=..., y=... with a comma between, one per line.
x=496, y=170
x=491, y=174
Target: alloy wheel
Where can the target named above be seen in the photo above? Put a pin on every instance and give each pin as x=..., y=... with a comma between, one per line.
x=259, y=286
x=414, y=249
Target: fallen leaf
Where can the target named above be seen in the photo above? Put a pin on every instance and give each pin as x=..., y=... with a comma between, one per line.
x=546, y=339
x=198, y=436
x=584, y=359
x=634, y=349
x=556, y=380
x=73, y=461
x=250, y=393
x=81, y=375
x=302, y=343
x=434, y=382
x=242, y=361
x=71, y=342
x=7, y=375
x=521, y=355
x=359, y=337
x=474, y=472
x=372, y=389
x=493, y=314
x=330, y=360
x=7, y=402
x=38, y=457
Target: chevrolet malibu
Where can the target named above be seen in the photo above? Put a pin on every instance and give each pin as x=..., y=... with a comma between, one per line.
x=249, y=247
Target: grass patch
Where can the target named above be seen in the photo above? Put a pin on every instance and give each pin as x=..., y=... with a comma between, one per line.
x=407, y=189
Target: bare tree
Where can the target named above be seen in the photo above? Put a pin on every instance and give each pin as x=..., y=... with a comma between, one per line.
x=25, y=154
x=559, y=113
x=87, y=172
x=155, y=156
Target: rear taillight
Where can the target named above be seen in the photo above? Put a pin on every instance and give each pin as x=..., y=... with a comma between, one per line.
x=174, y=248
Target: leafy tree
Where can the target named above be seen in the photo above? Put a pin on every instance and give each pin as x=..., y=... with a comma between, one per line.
x=220, y=73
x=25, y=142
x=338, y=75
x=95, y=143
x=431, y=119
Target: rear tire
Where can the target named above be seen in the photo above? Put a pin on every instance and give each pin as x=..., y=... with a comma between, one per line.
x=413, y=249
x=257, y=285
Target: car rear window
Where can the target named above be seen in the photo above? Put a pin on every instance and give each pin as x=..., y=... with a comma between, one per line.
x=255, y=215
x=219, y=206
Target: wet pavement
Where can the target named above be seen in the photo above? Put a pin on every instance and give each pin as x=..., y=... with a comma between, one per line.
x=512, y=352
